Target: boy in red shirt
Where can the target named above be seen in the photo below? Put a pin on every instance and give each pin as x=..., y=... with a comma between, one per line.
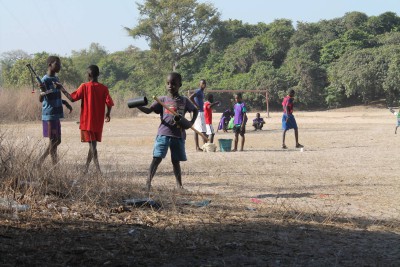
x=94, y=98
x=288, y=120
x=208, y=116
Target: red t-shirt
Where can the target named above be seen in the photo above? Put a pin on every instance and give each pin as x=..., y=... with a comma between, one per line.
x=287, y=102
x=207, y=112
x=94, y=97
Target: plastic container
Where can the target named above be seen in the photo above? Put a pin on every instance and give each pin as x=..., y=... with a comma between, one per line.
x=225, y=145
x=137, y=102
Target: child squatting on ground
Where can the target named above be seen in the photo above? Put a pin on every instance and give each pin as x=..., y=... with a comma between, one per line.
x=224, y=120
x=94, y=98
x=52, y=110
x=170, y=133
x=258, y=122
x=397, y=114
x=240, y=119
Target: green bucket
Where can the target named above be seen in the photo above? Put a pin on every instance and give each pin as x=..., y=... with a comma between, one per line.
x=225, y=145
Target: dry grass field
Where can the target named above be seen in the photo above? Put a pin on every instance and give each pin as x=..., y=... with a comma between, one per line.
x=335, y=204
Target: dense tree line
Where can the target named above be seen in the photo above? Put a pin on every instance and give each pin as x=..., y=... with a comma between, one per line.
x=351, y=59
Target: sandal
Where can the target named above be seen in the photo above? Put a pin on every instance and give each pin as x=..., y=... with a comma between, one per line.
x=284, y=146
x=299, y=146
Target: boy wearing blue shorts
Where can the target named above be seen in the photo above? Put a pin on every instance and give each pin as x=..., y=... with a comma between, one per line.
x=170, y=134
x=288, y=120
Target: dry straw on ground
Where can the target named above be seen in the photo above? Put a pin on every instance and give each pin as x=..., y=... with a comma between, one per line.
x=335, y=204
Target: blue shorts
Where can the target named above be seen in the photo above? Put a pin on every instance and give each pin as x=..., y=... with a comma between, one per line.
x=290, y=124
x=176, y=145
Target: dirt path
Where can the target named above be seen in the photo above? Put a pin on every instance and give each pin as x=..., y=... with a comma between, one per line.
x=336, y=203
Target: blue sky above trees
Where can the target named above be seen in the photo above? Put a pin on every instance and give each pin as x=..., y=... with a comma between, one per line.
x=62, y=26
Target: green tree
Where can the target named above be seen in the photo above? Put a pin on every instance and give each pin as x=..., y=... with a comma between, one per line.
x=18, y=74
x=351, y=40
x=175, y=29
x=276, y=40
x=83, y=58
x=355, y=20
x=391, y=84
x=8, y=59
x=385, y=22
x=240, y=56
x=367, y=74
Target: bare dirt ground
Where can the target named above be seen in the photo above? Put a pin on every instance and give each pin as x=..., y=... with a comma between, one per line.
x=335, y=204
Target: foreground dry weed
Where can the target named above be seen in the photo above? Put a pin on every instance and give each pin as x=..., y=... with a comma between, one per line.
x=335, y=204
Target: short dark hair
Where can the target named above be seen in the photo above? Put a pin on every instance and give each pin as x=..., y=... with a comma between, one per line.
x=239, y=95
x=209, y=96
x=291, y=92
x=177, y=75
x=94, y=70
x=203, y=80
x=52, y=59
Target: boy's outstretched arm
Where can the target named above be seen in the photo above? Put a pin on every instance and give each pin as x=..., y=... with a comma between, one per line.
x=67, y=105
x=61, y=87
x=145, y=110
x=214, y=104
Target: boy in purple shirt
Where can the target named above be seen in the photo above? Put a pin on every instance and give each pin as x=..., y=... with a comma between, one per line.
x=240, y=120
x=170, y=134
x=258, y=122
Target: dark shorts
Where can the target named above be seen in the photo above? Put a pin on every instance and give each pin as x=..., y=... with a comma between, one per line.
x=176, y=145
x=290, y=123
x=236, y=130
x=52, y=129
x=89, y=136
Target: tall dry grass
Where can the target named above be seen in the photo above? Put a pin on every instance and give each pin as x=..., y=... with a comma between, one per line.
x=24, y=181
x=21, y=105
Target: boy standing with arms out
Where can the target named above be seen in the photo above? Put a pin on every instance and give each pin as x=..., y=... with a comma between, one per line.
x=240, y=119
x=170, y=134
x=52, y=110
x=208, y=116
x=288, y=120
x=94, y=98
x=197, y=99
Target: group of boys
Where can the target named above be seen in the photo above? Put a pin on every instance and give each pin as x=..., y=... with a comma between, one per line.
x=94, y=98
x=171, y=133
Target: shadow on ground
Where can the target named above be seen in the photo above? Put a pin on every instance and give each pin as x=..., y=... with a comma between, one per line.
x=265, y=241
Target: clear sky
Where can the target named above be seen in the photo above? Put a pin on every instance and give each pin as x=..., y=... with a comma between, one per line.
x=60, y=26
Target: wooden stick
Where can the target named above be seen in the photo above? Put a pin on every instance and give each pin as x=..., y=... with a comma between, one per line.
x=176, y=114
